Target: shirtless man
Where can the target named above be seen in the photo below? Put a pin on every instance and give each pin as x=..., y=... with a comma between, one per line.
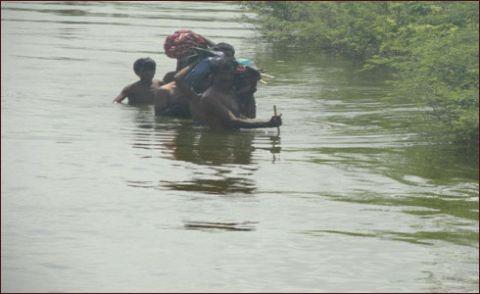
x=193, y=98
x=178, y=100
x=245, y=86
x=218, y=106
x=170, y=100
x=196, y=76
x=142, y=91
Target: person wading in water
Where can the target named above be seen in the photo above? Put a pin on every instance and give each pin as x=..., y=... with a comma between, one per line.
x=217, y=106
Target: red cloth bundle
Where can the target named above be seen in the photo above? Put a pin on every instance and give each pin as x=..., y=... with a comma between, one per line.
x=181, y=42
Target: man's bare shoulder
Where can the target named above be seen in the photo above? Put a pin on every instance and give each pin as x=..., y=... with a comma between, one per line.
x=131, y=87
x=211, y=101
x=157, y=83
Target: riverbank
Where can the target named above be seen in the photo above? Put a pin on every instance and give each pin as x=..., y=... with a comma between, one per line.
x=431, y=49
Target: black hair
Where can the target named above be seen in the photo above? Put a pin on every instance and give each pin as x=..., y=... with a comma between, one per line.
x=169, y=77
x=224, y=47
x=246, y=79
x=253, y=73
x=142, y=64
x=223, y=65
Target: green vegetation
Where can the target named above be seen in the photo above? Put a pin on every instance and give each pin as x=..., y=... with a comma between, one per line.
x=430, y=47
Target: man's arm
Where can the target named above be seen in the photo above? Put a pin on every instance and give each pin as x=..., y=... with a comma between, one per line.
x=158, y=83
x=210, y=43
x=275, y=121
x=123, y=94
x=231, y=121
x=248, y=107
x=161, y=101
x=179, y=80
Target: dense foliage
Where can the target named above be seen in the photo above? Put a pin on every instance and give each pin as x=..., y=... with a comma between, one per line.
x=432, y=47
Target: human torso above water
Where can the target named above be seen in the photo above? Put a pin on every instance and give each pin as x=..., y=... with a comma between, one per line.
x=209, y=85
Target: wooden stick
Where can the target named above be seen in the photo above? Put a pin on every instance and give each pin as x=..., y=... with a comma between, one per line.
x=267, y=75
x=275, y=113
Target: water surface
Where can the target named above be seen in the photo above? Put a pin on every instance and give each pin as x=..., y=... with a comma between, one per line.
x=101, y=197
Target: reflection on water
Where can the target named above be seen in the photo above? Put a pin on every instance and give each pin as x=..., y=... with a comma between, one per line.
x=213, y=148
x=224, y=158
x=465, y=238
x=208, y=226
x=428, y=208
x=347, y=198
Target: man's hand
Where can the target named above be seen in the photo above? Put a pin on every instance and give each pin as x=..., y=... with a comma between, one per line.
x=276, y=121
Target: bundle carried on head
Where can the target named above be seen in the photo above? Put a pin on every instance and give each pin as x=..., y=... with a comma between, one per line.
x=180, y=43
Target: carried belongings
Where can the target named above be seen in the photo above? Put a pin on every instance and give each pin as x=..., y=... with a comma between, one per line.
x=197, y=77
x=189, y=47
x=205, y=60
x=245, y=69
x=247, y=63
x=180, y=43
x=246, y=73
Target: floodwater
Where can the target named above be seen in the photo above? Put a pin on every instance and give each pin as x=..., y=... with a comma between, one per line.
x=101, y=197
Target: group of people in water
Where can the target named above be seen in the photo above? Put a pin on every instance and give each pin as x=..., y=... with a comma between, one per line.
x=209, y=85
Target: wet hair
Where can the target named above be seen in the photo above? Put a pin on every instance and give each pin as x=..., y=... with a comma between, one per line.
x=224, y=47
x=222, y=66
x=255, y=74
x=169, y=77
x=248, y=78
x=143, y=64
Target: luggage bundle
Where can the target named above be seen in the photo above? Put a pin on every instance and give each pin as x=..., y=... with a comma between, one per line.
x=189, y=47
x=180, y=43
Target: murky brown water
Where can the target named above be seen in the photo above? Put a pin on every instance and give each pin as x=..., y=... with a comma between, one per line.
x=102, y=197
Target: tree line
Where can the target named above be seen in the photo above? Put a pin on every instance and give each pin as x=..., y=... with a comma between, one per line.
x=431, y=49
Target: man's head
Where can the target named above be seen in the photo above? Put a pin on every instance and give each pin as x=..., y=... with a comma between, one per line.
x=252, y=74
x=169, y=77
x=245, y=82
x=226, y=48
x=223, y=70
x=144, y=68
